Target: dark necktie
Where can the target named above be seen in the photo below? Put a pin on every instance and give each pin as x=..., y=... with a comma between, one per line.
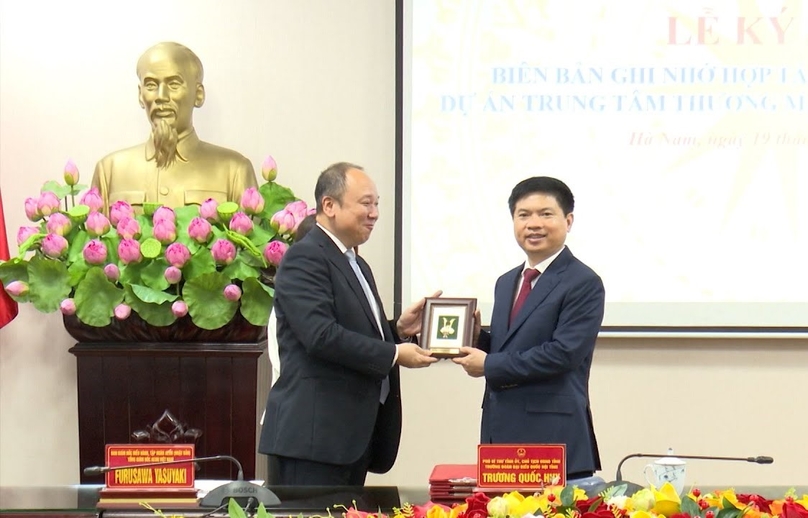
x=524, y=291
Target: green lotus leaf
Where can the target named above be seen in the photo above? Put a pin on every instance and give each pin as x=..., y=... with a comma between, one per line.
x=77, y=271
x=256, y=302
x=259, y=237
x=32, y=240
x=96, y=298
x=276, y=197
x=152, y=296
x=13, y=270
x=201, y=262
x=59, y=190
x=208, y=307
x=74, y=253
x=111, y=241
x=49, y=283
x=155, y=314
x=238, y=269
x=153, y=275
x=146, y=226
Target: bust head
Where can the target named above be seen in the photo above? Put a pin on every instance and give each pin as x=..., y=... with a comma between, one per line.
x=170, y=88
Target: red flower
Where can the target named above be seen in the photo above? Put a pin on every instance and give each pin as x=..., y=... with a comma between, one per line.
x=584, y=505
x=419, y=511
x=761, y=503
x=477, y=506
x=354, y=513
x=680, y=515
x=794, y=510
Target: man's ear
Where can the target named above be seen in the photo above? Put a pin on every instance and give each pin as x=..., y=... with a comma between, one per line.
x=328, y=206
x=140, y=97
x=200, y=96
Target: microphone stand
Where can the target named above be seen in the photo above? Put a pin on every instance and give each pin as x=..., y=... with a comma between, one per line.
x=757, y=460
x=241, y=490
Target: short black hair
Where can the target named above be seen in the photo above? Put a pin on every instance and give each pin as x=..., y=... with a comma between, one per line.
x=303, y=228
x=331, y=183
x=543, y=185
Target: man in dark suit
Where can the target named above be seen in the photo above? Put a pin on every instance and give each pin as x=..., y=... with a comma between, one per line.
x=546, y=317
x=335, y=412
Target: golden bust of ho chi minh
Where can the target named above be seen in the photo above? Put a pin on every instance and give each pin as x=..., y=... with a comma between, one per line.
x=173, y=167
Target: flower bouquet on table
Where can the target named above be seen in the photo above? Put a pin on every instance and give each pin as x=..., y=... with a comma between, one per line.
x=572, y=502
x=205, y=266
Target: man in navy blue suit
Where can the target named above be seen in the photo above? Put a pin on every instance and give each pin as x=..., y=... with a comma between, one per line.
x=546, y=317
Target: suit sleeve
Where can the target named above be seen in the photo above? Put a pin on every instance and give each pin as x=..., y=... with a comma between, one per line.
x=304, y=288
x=573, y=340
x=484, y=342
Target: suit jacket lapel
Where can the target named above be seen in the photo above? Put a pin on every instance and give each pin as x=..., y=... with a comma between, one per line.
x=365, y=269
x=332, y=252
x=502, y=310
x=547, y=281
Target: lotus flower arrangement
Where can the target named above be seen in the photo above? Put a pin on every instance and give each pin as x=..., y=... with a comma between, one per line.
x=207, y=262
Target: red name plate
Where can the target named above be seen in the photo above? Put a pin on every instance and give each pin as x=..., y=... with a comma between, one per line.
x=172, y=475
x=521, y=465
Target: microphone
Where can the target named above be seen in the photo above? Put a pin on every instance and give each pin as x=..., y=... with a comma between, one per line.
x=240, y=490
x=760, y=459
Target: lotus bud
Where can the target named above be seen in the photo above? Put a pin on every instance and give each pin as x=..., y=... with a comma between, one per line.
x=48, y=203
x=129, y=251
x=128, y=228
x=95, y=252
x=122, y=311
x=120, y=210
x=298, y=208
x=92, y=199
x=283, y=221
x=54, y=245
x=241, y=223
x=17, y=288
x=200, y=230
x=274, y=252
x=71, y=173
x=97, y=224
x=164, y=214
x=269, y=169
x=232, y=292
x=223, y=251
x=58, y=223
x=208, y=210
x=173, y=274
x=31, y=210
x=24, y=233
x=252, y=202
x=112, y=272
x=177, y=254
x=68, y=307
x=165, y=231
x=179, y=308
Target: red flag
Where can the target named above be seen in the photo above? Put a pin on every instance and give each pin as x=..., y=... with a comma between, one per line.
x=8, y=308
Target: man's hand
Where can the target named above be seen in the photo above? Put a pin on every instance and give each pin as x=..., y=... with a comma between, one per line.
x=409, y=323
x=473, y=362
x=413, y=357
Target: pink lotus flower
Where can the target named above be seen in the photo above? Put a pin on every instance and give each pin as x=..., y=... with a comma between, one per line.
x=17, y=288
x=173, y=275
x=251, y=201
x=298, y=208
x=58, y=223
x=112, y=272
x=269, y=169
x=232, y=292
x=223, y=251
x=31, y=210
x=97, y=224
x=24, y=233
x=179, y=308
x=71, y=173
x=283, y=221
x=120, y=210
x=95, y=252
x=200, y=230
x=92, y=199
x=165, y=231
x=54, y=245
x=274, y=252
x=208, y=210
x=129, y=251
x=177, y=254
x=164, y=214
x=122, y=311
x=241, y=223
x=128, y=228
x=68, y=307
x=48, y=203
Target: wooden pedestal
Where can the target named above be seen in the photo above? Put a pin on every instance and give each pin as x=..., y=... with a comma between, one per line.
x=126, y=387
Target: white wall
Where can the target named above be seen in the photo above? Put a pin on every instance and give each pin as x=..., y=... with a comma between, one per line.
x=312, y=82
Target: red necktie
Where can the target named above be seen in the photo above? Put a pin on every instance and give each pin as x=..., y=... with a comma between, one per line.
x=524, y=291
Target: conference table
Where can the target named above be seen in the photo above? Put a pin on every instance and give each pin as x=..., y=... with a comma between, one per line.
x=80, y=501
